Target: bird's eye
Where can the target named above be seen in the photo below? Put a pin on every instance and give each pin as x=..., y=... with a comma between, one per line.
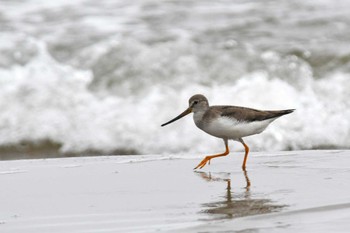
x=195, y=102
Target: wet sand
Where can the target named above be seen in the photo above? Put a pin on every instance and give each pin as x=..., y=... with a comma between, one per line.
x=302, y=191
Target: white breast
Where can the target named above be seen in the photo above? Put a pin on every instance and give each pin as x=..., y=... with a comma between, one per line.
x=224, y=127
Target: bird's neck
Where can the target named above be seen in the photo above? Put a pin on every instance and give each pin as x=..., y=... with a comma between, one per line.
x=197, y=118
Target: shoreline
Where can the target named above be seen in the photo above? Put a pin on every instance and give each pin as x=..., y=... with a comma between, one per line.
x=139, y=194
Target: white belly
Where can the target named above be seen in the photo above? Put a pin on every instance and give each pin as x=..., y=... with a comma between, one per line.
x=229, y=128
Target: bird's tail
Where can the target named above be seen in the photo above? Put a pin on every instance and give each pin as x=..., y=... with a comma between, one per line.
x=284, y=112
x=281, y=112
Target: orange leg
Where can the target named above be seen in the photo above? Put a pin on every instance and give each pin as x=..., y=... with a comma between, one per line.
x=209, y=157
x=246, y=148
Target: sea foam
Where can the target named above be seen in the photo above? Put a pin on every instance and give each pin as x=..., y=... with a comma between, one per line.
x=46, y=100
x=102, y=78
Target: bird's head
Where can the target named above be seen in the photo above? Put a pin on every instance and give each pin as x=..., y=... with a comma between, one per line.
x=196, y=103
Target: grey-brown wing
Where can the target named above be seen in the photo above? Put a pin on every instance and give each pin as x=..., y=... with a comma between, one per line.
x=249, y=114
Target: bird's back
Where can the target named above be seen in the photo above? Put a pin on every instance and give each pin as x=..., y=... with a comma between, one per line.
x=244, y=114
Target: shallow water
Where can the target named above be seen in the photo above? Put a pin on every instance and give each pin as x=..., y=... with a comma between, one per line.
x=301, y=191
x=83, y=76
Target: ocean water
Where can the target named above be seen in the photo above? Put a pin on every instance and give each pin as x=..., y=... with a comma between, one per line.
x=102, y=76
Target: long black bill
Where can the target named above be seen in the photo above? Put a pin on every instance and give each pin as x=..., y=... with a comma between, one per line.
x=187, y=111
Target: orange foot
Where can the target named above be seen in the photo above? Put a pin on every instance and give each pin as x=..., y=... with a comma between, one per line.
x=204, y=162
x=209, y=157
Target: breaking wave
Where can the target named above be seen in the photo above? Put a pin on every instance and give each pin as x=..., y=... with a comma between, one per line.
x=102, y=82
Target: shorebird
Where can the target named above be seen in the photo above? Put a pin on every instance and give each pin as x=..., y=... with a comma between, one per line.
x=228, y=122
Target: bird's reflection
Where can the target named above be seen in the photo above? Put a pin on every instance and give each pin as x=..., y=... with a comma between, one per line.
x=236, y=204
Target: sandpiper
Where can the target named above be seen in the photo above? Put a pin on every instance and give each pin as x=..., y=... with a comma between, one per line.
x=228, y=122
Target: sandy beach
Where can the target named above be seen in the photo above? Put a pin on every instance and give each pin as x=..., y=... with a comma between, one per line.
x=302, y=191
